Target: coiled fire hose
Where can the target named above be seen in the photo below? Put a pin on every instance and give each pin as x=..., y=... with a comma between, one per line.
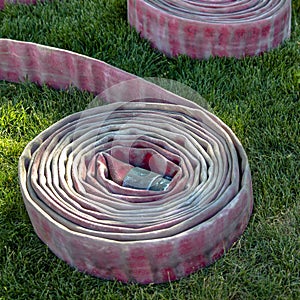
x=201, y=29
x=79, y=177
x=148, y=188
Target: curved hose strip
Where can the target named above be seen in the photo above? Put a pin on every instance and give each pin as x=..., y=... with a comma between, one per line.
x=201, y=29
x=115, y=232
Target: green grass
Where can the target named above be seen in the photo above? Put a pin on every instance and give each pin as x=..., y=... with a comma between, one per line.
x=257, y=97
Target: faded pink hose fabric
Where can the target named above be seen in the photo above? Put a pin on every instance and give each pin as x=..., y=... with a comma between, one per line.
x=85, y=216
x=201, y=29
x=110, y=231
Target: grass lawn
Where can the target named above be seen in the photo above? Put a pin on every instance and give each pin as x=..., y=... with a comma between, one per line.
x=257, y=97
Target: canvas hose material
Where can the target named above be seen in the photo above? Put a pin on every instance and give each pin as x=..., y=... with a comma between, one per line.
x=71, y=175
x=201, y=29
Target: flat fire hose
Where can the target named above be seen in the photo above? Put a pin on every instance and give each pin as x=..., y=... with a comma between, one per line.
x=148, y=188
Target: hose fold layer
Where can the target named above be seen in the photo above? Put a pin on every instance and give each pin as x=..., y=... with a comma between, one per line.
x=201, y=29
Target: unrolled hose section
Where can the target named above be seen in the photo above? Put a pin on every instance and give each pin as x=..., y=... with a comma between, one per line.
x=72, y=180
x=201, y=29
